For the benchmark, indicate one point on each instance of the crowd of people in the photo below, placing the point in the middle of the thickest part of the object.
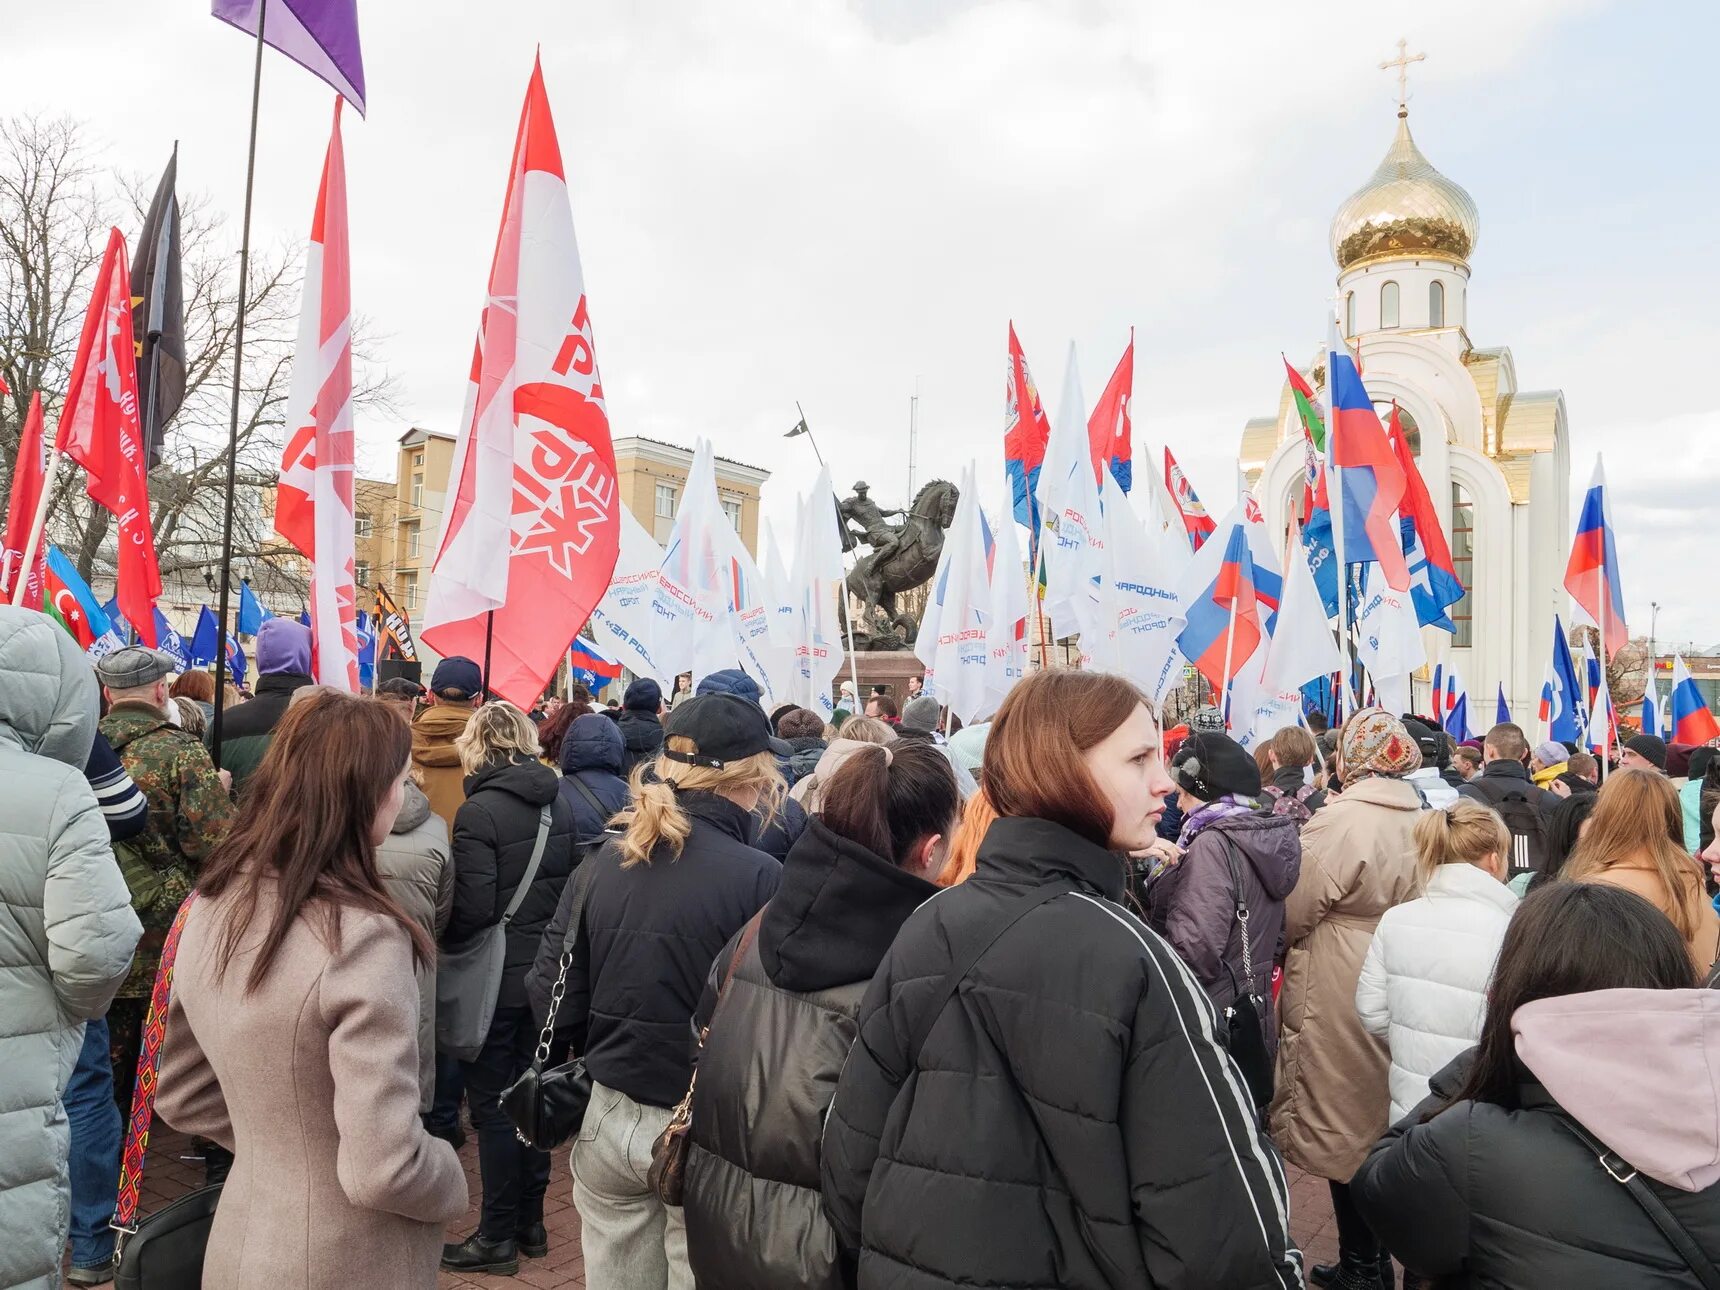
(1047, 1001)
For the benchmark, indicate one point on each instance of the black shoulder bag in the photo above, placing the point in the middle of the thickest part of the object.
(1625, 1174)
(1245, 1016)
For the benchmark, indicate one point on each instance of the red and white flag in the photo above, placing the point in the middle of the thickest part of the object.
(27, 476)
(532, 526)
(314, 500)
(99, 430)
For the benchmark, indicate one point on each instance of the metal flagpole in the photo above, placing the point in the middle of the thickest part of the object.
(1229, 645)
(238, 369)
(489, 640)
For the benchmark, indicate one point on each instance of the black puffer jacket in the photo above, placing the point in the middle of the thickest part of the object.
(641, 737)
(494, 831)
(1072, 1121)
(1483, 1195)
(778, 837)
(591, 754)
(1194, 904)
(650, 934)
(755, 1215)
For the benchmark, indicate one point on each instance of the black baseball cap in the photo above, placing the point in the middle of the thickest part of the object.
(723, 728)
(456, 676)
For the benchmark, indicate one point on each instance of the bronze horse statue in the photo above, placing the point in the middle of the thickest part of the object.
(911, 563)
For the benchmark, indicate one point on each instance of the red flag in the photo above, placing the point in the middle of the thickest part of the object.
(313, 500)
(1196, 522)
(1110, 430)
(535, 409)
(99, 430)
(27, 476)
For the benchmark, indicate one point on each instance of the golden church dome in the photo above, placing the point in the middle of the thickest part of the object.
(1405, 207)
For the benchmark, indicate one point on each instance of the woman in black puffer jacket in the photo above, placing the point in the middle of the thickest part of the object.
(1593, 1020)
(495, 831)
(782, 1029)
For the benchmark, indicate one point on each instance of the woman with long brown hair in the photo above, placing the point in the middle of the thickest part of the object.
(1635, 839)
(1038, 1095)
(293, 1035)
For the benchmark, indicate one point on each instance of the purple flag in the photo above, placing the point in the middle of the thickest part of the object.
(319, 35)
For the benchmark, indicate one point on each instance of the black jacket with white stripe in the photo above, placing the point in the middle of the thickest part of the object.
(1071, 1120)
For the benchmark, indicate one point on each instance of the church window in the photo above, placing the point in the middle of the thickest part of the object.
(1389, 304)
(1463, 561)
(1349, 313)
(1436, 304)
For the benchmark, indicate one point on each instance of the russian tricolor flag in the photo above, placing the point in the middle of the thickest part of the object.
(590, 664)
(1591, 576)
(1370, 480)
(1230, 596)
(1692, 722)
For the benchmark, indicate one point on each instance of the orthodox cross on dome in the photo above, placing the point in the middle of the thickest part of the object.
(1402, 62)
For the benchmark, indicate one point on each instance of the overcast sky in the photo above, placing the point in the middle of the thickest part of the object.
(840, 201)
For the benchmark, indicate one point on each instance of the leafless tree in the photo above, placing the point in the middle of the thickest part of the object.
(56, 204)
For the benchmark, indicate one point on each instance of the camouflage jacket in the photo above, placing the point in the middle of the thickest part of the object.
(189, 812)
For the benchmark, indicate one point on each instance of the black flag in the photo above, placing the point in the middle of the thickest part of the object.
(158, 313)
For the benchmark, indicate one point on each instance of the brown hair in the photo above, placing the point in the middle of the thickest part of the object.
(1292, 746)
(1637, 815)
(886, 705)
(198, 686)
(977, 817)
(305, 825)
(1462, 833)
(801, 723)
(1033, 755)
(888, 800)
(1506, 741)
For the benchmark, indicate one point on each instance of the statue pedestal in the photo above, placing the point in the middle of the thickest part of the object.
(889, 668)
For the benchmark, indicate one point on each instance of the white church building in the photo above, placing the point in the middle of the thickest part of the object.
(1496, 457)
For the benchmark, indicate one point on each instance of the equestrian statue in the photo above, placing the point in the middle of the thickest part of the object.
(903, 556)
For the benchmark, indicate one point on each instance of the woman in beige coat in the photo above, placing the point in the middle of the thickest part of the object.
(1358, 860)
(293, 1035)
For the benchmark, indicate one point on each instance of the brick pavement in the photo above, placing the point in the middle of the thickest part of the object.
(170, 1174)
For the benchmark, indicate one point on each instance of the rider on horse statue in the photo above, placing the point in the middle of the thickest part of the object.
(862, 511)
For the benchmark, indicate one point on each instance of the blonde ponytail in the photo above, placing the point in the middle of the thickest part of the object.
(655, 816)
(1462, 833)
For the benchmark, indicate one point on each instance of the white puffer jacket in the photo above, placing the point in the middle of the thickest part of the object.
(1424, 982)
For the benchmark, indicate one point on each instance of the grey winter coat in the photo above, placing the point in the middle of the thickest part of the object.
(66, 929)
(418, 871)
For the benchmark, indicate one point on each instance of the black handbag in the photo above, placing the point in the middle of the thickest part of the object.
(546, 1107)
(1245, 1016)
(165, 1250)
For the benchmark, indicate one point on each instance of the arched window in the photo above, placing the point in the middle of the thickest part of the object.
(1463, 563)
(1349, 313)
(1389, 304)
(1436, 304)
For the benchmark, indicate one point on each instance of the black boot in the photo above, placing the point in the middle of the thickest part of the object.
(1388, 1278)
(1323, 1274)
(533, 1241)
(475, 1254)
(1351, 1273)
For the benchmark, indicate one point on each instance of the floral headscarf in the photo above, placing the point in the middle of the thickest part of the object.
(1375, 743)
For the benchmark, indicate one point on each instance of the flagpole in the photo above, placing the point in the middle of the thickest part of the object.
(238, 369)
(34, 543)
(1037, 601)
(1229, 646)
(489, 640)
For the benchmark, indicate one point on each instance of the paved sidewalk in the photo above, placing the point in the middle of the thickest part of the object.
(170, 1175)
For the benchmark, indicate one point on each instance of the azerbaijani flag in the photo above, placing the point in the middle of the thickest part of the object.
(70, 602)
(1229, 597)
(1592, 575)
(1371, 482)
(1692, 722)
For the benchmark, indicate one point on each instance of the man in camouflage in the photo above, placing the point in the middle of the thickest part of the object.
(190, 810)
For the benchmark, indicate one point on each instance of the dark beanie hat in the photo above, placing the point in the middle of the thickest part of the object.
(1651, 748)
(1212, 765)
(644, 695)
(1431, 742)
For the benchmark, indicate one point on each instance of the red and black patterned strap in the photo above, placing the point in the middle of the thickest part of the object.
(143, 1092)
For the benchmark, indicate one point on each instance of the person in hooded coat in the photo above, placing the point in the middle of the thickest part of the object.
(1358, 860)
(495, 832)
(780, 1031)
(803, 731)
(854, 734)
(1195, 900)
(417, 870)
(456, 686)
(1594, 1027)
(66, 929)
(592, 754)
(283, 656)
(639, 723)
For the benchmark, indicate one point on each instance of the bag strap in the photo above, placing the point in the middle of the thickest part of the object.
(591, 798)
(538, 846)
(748, 933)
(1241, 913)
(582, 877)
(958, 973)
(143, 1092)
(1625, 1174)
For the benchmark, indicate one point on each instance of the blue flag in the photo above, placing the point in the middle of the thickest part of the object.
(251, 613)
(366, 651)
(1502, 715)
(206, 639)
(171, 642)
(305, 617)
(117, 622)
(1568, 720)
(235, 660)
(1322, 557)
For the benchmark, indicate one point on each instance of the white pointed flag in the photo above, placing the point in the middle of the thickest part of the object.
(819, 577)
(1388, 639)
(1006, 626)
(1302, 649)
(1069, 498)
(956, 651)
(692, 631)
(623, 619)
(785, 619)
